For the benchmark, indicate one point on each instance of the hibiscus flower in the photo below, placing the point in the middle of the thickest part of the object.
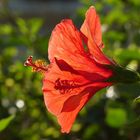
(75, 73)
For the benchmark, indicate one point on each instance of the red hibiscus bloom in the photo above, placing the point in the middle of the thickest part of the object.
(75, 74)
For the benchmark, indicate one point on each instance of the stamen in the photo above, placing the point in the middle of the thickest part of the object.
(65, 85)
(37, 66)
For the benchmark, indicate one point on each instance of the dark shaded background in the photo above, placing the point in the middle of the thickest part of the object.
(25, 28)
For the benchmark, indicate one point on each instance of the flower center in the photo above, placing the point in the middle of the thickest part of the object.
(65, 85)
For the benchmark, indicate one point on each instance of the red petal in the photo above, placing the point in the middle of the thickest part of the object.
(99, 72)
(74, 104)
(67, 105)
(54, 98)
(66, 44)
(70, 110)
(93, 22)
(91, 29)
(72, 84)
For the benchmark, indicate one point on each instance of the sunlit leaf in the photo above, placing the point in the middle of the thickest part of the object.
(35, 25)
(90, 131)
(5, 122)
(6, 29)
(22, 25)
(137, 100)
(131, 53)
(116, 117)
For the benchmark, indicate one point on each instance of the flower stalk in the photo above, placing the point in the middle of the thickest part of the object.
(123, 75)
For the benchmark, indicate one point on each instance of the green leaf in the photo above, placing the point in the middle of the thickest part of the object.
(116, 117)
(91, 131)
(5, 122)
(35, 25)
(6, 29)
(134, 124)
(22, 25)
(130, 53)
(124, 75)
(137, 100)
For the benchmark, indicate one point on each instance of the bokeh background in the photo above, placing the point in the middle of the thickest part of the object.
(25, 28)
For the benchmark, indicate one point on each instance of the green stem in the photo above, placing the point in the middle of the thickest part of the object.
(123, 75)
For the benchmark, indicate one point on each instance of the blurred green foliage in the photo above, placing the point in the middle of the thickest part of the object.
(5, 122)
(110, 115)
(137, 100)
